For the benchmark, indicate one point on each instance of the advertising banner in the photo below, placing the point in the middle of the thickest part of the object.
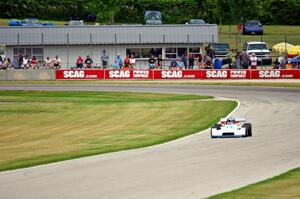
(275, 74)
(176, 74)
(79, 74)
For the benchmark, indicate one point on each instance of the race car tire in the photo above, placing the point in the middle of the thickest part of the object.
(248, 128)
(216, 126)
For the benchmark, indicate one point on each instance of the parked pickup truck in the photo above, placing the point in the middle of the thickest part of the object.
(261, 51)
(221, 51)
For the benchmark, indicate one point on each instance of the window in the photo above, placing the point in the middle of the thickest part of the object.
(133, 51)
(144, 52)
(171, 53)
(181, 51)
(195, 52)
(38, 52)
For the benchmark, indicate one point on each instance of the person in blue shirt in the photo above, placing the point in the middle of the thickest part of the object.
(118, 62)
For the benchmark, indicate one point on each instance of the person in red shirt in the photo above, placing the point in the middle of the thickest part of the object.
(126, 63)
(79, 62)
(34, 62)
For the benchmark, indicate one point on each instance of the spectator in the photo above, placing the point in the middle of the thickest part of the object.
(56, 62)
(88, 62)
(1, 60)
(238, 60)
(184, 61)
(132, 62)
(173, 64)
(208, 62)
(48, 63)
(20, 60)
(7, 63)
(244, 61)
(151, 62)
(104, 60)
(276, 64)
(200, 62)
(229, 58)
(211, 54)
(159, 62)
(282, 62)
(25, 62)
(253, 61)
(191, 61)
(79, 62)
(126, 65)
(34, 62)
(118, 62)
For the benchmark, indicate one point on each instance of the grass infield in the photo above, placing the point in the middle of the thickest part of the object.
(39, 127)
(283, 186)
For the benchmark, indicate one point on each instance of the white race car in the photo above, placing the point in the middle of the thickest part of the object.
(231, 127)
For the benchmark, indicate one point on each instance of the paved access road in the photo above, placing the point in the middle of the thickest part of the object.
(193, 167)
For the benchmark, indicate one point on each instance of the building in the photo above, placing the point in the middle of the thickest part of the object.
(68, 42)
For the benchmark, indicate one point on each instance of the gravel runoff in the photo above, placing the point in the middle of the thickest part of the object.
(195, 166)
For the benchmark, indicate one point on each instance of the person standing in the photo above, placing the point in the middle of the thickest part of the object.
(104, 60)
(118, 62)
(238, 60)
(159, 62)
(253, 61)
(244, 61)
(184, 61)
(191, 61)
(132, 62)
(229, 58)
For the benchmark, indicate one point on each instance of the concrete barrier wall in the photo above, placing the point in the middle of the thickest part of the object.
(27, 75)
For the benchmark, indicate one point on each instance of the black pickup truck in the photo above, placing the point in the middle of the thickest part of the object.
(221, 51)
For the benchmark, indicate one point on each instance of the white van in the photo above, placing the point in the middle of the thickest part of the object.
(260, 49)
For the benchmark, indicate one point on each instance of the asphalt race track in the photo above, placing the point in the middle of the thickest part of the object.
(192, 167)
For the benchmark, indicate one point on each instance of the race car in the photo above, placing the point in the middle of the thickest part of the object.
(231, 127)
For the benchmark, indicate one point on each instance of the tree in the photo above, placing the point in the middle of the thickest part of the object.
(105, 10)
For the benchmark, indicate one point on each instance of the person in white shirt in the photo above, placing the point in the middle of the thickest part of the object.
(56, 62)
(132, 62)
(253, 61)
(25, 62)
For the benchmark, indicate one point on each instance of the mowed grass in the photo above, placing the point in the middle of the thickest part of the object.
(39, 127)
(285, 186)
(273, 34)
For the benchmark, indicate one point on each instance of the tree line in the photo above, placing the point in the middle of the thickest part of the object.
(173, 11)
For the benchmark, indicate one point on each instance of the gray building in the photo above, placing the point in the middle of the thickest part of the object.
(171, 41)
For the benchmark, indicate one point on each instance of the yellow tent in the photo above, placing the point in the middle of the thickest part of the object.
(282, 47)
(295, 50)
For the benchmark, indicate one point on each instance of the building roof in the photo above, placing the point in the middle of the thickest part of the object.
(115, 34)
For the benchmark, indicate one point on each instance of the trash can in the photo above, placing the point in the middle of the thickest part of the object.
(218, 64)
